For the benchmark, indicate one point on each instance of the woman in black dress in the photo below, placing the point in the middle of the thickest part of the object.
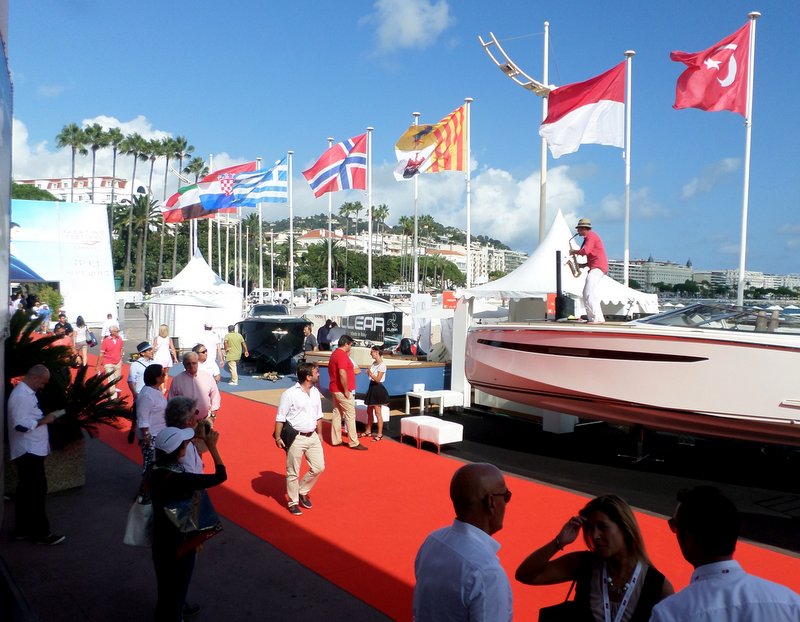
(377, 396)
(170, 483)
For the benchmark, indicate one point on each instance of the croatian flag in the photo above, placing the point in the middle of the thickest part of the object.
(342, 167)
(217, 194)
(271, 186)
(586, 112)
(216, 189)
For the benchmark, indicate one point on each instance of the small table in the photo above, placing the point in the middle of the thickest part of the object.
(422, 396)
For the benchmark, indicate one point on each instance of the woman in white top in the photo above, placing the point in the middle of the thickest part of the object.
(163, 350)
(79, 335)
(377, 395)
(150, 407)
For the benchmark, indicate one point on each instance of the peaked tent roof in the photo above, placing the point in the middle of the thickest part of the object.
(536, 277)
(197, 277)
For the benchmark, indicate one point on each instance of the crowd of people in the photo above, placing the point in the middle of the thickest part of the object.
(458, 573)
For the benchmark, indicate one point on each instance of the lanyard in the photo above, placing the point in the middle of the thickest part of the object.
(623, 605)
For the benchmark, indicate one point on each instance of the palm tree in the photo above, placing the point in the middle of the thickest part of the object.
(73, 137)
(197, 167)
(379, 215)
(182, 150)
(154, 150)
(145, 214)
(133, 145)
(170, 149)
(406, 230)
(96, 138)
(115, 138)
(347, 210)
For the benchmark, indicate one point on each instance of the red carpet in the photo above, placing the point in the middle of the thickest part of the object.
(372, 511)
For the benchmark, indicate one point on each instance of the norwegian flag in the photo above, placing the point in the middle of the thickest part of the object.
(342, 167)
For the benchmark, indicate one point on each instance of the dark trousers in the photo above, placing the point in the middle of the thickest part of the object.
(172, 577)
(29, 513)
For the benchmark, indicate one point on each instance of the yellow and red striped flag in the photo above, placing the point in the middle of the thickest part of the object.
(433, 148)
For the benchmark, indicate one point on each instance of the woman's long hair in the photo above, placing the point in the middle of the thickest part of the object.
(621, 515)
(79, 322)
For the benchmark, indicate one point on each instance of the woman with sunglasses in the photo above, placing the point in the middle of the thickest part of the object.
(615, 580)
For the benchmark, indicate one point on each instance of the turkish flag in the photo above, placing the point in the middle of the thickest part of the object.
(716, 78)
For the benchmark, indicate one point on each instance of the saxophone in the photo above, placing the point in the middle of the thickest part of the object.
(572, 262)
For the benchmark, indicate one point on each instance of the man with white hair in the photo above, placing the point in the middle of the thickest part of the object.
(199, 385)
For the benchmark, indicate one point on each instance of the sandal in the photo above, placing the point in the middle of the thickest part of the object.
(377, 437)
(363, 434)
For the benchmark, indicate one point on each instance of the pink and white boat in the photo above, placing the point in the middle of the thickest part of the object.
(705, 369)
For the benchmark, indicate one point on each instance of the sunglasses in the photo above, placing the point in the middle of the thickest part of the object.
(506, 495)
(202, 351)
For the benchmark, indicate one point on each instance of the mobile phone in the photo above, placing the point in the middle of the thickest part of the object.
(59, 413)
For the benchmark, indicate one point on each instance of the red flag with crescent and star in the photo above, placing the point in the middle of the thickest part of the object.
(716, 78)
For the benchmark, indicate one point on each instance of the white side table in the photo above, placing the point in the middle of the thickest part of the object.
(422, 396)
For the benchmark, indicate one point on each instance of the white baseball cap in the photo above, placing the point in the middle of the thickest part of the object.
(169, 439)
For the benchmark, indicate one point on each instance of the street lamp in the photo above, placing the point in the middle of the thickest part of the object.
(542, 89)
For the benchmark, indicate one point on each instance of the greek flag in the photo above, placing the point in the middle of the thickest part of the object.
(271, 186)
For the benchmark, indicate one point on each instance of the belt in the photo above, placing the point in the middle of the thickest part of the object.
(306, 433)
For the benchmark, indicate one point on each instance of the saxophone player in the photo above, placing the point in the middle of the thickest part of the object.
(597, 262)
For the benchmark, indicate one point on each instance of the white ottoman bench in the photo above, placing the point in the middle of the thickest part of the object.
(361, 414)
(409, 426)
(439, 432)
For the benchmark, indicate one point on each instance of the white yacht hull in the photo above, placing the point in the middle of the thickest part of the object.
(697, 382)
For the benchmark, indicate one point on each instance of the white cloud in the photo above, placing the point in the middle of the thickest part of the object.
(51, 90)
(408, 23)
(710, 177)
(612, 206)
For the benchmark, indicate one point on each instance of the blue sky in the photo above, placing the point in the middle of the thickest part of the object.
(243, 80)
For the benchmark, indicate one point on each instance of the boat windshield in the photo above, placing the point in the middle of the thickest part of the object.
(727, 317)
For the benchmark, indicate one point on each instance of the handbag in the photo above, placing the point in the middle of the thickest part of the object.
(139, 528)
(91, 340)
(568, 611)
(196, 518)
(288, 434)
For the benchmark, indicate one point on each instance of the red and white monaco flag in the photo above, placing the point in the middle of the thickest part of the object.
(716, 78)
(586, 112)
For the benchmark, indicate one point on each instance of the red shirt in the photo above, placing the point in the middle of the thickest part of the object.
(341, 360)
(594, 251)
(112, 350)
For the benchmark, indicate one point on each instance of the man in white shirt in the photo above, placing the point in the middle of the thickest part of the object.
(706, 524)
(106, 330)
(301, 409)
(136, 370)
(211, 341)
(206, 363)
(459, 577)
(29, 442)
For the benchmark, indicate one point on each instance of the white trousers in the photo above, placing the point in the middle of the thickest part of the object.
(591, 297)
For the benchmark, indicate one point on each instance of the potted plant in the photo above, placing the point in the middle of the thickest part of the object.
(83, 395)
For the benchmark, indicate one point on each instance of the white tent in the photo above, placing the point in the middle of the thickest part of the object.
(195, 296)
(536, 278)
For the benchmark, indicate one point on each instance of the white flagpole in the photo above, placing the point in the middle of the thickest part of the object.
(468, 182)
(369, 210)
(748, 124)
(330, 232)
(543, 169)
(260, 245)
(416, 218)
(629, 54)
(291, 231)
